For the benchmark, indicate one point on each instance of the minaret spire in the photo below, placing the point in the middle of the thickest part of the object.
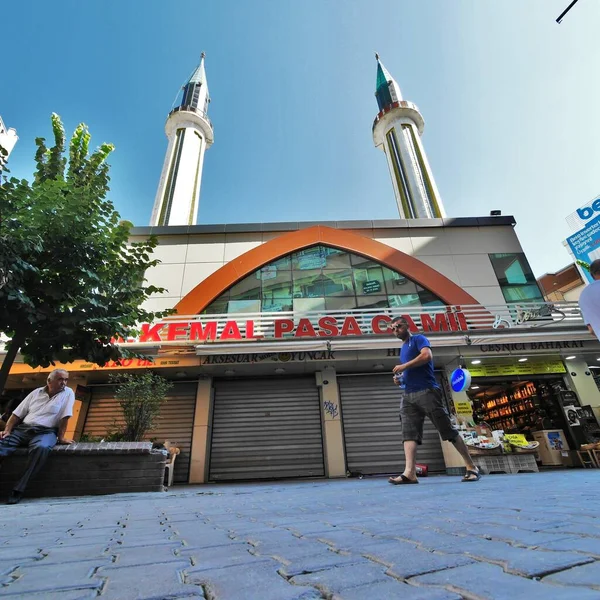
(190, 133)
(397, 131)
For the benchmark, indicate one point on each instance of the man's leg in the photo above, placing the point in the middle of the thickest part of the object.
(460, 445)
(9, 444)
(412, 432)
(39, 449)
(439, 417)
(410, 455)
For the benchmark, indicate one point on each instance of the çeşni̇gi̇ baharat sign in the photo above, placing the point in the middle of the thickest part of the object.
(528, 368)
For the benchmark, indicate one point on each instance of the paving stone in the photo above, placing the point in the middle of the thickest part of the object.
(319, 562)
(290, 552)
(204, 538)
(158, 582)
(588, 575)
(131, 557)
(520, 561)
(260, 583)
(519, 536)
(586, 529)
(405, 561)
(587, 546)
(218, 558)
(334, 580)
(53, 578)
(387, 590)
(489, 581)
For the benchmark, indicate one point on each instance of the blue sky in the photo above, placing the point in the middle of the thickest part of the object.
(510, 101)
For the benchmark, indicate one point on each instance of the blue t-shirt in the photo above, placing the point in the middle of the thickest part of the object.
(421, 377)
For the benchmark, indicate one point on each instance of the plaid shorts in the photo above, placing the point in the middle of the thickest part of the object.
(415, 406)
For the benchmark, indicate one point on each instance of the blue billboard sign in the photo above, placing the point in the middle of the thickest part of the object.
(585, 244)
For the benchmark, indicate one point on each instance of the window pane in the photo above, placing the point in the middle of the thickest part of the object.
(404, 300)
(362, 262)
(336, 259)
(283, 264)
(338, 283)
(243, 306)
(522, 293)
(217, 307)
(246, 289)
(340, 303)
(308, 284)
(305, 304)
(512, 269)
(396, 283)
(369, 280)
(277, 285)
(372, 301)
(277, 304)
(310, 258)
(428, 299)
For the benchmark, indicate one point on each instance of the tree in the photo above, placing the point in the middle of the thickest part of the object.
(141, 397)
(70, 282)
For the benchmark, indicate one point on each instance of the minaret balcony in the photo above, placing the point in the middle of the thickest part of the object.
(410, 109)
(192, 109)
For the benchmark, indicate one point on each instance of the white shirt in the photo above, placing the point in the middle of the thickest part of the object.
(39, 409)
(589, 303)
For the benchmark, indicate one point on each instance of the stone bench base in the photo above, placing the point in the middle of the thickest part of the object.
(88, 469)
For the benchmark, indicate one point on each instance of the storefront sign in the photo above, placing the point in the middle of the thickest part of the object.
(531, 346)
(463, 408)
(585, 243)
(527, 368)
(460, 380)
(453, 319)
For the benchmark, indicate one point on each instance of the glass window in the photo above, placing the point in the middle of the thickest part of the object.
(516, 278)
(395, 283)
(348, 303)
(404, 300)
(305, 304)
(522, 293)
(243, 306)
(512, 269)
(372, 302)
(320, 278)
(218, 307)
(246, 289)
(338, 283)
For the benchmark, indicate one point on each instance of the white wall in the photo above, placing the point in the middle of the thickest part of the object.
(460, 253)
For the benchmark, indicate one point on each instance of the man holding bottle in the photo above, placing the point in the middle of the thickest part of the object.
(422, 398)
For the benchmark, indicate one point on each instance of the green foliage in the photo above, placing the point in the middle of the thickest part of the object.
(583, 264)
(141, 397)
(70, 283)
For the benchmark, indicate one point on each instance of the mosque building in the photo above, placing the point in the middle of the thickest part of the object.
(280, 349)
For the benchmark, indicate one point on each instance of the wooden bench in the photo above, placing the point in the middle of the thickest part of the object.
(84, 469)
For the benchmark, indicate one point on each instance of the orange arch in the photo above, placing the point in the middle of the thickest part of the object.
(217, 283)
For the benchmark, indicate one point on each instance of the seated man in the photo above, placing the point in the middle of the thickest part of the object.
(38, 423)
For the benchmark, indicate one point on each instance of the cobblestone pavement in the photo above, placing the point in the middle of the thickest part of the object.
(507, 536)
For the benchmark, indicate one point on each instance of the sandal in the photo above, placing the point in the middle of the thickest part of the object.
(469, 474)
(404, 480)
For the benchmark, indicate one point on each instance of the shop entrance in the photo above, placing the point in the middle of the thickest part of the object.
(539, 406)
(372, 430)
(266, 429)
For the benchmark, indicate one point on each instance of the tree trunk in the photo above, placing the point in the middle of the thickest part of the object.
(13, 348)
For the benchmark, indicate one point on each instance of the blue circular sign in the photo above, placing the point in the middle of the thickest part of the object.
(460, 380)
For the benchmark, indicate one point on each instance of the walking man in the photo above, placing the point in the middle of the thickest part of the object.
(589, 301)
(422, 398)
(38, 423)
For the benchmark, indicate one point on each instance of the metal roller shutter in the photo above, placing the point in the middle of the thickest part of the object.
(176, 420)
(265, 429)
(372, 433)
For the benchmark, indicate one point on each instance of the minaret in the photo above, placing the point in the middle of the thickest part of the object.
(397, 131)
(190, 133)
